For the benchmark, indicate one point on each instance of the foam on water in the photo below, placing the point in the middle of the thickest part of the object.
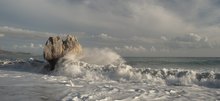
(121, 72)
(126, 73)
(98, 56)
(107, 78)
(111, 67)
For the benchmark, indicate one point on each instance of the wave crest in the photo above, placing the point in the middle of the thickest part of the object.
(106, 65)
(125, 73)
(100, 56)
(118, 71)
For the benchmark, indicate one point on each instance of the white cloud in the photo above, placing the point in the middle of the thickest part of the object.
(164, 38)
(104, 36)
(189, 41)
(130, 49)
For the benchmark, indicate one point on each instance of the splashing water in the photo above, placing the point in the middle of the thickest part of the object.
(104, 64)
(107, 78)
(97, 56)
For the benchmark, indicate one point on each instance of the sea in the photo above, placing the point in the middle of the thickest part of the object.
(106, 76)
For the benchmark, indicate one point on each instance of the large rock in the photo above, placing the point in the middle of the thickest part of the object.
(55, 48)
(71, 45)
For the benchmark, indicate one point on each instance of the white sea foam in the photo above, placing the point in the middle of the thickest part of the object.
(99, 56)
(121, 72)
(83, 79)
(126, 73)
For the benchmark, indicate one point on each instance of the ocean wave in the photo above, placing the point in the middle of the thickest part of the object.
(125, 73)
(31, 65)
(120, 72)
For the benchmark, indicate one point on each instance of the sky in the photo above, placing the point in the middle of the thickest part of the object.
(140, 28)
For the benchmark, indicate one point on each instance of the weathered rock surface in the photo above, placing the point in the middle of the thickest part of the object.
(55, 48)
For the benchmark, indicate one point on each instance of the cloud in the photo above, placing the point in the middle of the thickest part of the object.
(2, 35)
(200, 13)
(165, 50)
(131, 49)
(18, 32)
(29, 48)
(191, 38)
(142, 39)
(189, 41)
(153, 49)
(31, 41)
(125, 24)
(116, 17)
(163, 38)
(104, 36)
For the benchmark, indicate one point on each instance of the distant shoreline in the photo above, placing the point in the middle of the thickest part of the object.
(165, 57)
(10, 52)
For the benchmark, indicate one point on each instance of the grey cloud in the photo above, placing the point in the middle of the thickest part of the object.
(131, 50)
(143, 39)
(18, 32)
(116, 23)
(114, 7)
(189, 41)
(95, 16)
(191, 37)
(153, 49)
(112, 16)
(17, 39)
(163, 38)
(104, 36)
(76, 1)
(199, 13)
(2, 35)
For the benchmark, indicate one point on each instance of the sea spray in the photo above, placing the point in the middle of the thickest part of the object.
(75, 79)
(99, 56)
(75, 68)
(80, 66)
(72, 68)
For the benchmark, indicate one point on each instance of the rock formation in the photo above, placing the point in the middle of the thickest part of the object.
(55, 48)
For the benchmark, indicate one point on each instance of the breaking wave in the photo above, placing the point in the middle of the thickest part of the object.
(98, 56)
(107, 66)
(126, 73)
